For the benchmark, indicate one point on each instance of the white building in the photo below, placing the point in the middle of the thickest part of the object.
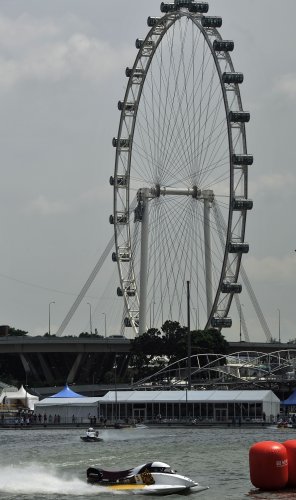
(212, 406)
(179, 405)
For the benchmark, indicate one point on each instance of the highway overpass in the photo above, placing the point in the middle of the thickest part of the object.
(53, 360)
(49, 361)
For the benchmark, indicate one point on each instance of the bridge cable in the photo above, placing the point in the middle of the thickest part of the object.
(86, 286)
(91, 278)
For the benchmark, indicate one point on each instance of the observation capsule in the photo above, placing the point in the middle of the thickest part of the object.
(114, 257)
(221, 322)
(239, 116)
(223, 45)
(119, 180)
(124, 256)
(232, 77)
(198, 7)
(231, 287)
(179, 4)
(121, 143)
(121, 218)
(128, 106)
(242, 204)
(127, 323)
(211, 22)
(136, 73)
(119, 292)
(167, 7)
(140, 42)
(238, 247)
(242, 159)
(152, 21)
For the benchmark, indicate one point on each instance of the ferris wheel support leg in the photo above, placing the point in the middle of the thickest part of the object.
(144, 268)
(208, 254)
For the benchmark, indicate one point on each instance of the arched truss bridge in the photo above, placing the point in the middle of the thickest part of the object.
(240, 370)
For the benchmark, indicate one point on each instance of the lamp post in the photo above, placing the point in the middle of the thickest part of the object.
(104, 314)
(115, 387)
(188, 338)
(90, 322)
(279, 311)
(240, 322)
(52, 302)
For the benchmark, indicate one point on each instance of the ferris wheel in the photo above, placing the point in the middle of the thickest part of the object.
(181, 173)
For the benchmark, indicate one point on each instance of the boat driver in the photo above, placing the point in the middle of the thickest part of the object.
(90, 432)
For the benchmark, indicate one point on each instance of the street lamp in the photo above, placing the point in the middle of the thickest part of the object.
(52, 302)
(240, 322)
(279, 311)
(90, 323)
(115, 386)
(188, 338)
(104, 314)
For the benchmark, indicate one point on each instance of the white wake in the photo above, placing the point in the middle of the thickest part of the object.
(33, 478)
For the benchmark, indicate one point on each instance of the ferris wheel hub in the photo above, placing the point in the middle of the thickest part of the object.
(157, 190)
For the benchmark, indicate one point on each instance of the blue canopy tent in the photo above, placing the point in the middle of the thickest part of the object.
(291, 400)
(67, 393)
(70, 406)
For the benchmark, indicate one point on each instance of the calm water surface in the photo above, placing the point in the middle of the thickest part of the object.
(51, 464)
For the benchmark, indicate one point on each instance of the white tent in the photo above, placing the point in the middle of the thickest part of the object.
(223, 404)
(19, 397)
(69, 409)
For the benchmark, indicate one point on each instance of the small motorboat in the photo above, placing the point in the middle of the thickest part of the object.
(91, 436)
(91, 439)
(151, 478)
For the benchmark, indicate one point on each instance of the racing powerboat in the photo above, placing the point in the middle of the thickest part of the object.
(91, 439)
(91, 436)
(150, 478)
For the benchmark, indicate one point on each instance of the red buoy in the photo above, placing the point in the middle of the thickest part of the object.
(290, 446)
(268, 465)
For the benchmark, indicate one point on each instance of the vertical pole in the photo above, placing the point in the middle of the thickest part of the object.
(188, 338)
(90, 321)
(144, 266)
(279, 311)
(52, 302)
(240, 322)
(105, 323)
(208, 254)
(115, 387)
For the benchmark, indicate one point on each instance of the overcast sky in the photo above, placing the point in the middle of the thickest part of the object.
(62, 68)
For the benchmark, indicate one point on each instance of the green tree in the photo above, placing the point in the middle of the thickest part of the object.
(15, 332)
(154, 348)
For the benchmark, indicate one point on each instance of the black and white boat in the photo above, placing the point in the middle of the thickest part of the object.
(91, 436)
(151, 478)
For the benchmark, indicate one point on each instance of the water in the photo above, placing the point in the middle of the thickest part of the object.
(50, 464)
